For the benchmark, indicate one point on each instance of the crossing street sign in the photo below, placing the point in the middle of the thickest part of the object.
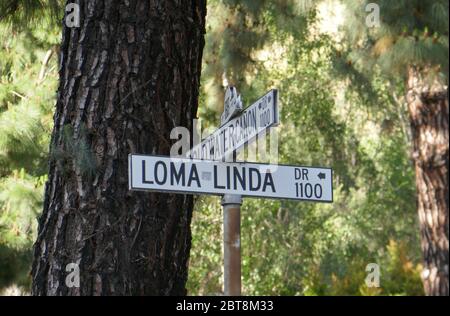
(193, 176)
(238, 131)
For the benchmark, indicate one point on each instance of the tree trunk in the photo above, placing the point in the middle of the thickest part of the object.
(429, 115)
(128, 75)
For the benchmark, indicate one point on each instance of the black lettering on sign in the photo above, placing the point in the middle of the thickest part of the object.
(301, 174)
(253, 118)
(193, 176)
(177, 176)
(239, 177)
(216, 184)
(164, 169)
(252, 185)
(232, 139)
(268, 181)
(305, 174)
(298, 174)
(318, 191)
(144, 180)
(306, 190)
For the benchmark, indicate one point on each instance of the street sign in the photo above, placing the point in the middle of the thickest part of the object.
(193, 176)
(202, 172)
(238, 131)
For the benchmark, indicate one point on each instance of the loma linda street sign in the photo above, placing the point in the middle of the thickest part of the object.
(240, 130)
(203, 172)
(184, 175)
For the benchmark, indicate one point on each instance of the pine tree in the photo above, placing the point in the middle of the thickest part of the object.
(236, 30)
(27, 84)
(129, 74)
(411, 42)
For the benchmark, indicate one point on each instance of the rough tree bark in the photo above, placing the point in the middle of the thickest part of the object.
(429, 116)
(128, 75)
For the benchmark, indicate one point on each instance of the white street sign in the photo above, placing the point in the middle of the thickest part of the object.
(238, 131)
(184, 175)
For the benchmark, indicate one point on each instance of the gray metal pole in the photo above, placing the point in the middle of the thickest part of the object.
(232, 244)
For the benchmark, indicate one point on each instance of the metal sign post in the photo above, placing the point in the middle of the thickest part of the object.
(232, 244)
(231, 208)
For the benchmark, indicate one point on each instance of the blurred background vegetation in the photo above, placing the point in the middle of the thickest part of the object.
(338, 109)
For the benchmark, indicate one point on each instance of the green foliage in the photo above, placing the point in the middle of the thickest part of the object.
(14, 266)
(205, 269)
(21, 14)
(26, 108)
(21, 199)
(398, 276)
(235, 31)
(411, 33)
(401, 272)
(20, 203)
(291, 248)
